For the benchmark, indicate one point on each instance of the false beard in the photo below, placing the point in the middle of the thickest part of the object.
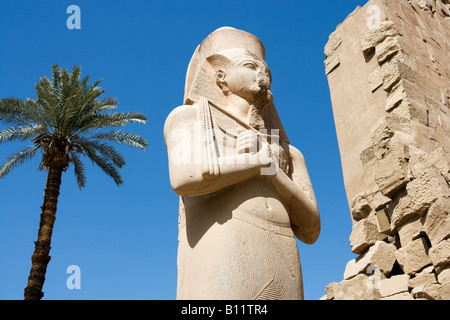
(262, 99)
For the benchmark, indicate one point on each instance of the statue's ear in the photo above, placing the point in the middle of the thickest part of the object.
(221, 75)
(219, 64)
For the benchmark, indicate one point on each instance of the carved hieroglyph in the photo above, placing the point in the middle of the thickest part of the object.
(245, 191)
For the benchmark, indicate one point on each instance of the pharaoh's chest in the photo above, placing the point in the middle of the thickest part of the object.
(224, 129)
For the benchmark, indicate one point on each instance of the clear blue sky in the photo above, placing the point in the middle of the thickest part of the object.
(124, 239)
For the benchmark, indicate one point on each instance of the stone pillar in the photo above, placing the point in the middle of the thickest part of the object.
(388, 68)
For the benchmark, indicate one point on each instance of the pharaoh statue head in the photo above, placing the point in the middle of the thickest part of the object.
(242, 73)
(232, 62)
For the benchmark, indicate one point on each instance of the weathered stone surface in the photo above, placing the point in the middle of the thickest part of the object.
(375, 79)
(386, 49)
(374, 37)
(404, 142)
(440, 158)
(422, 279)
(409, 231)
(380, 255)
(367, 157)
(444, 291)
(403, 212)
(392, 150)
(384, 129)
(427, 188)
(331, 64)
(358, 288)
(334, 41)
(399, 296)
(402, 163)
(413, 257)
(443, 137)
(444, 275)
(330, 289)
(352, 269)
(402, 32)
(426, 276)
(390, 75)
(395, 98)
(379, 201)
(391, 172)
(396, 71)
(394, 285)
(360, 207)
(427, 291)
(418, 162)
(413, 110)
(425, 136)
(440, 255)
(427, 270)
(364, 235)
(437, 221)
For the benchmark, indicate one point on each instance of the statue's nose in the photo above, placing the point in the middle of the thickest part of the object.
(263, 79)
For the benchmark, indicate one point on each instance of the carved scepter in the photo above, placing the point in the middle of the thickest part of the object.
(210, 161)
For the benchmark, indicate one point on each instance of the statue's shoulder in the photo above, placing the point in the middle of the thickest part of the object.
(295, 153)
(182, 111)
(183, 114)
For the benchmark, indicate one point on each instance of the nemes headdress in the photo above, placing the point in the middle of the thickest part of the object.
(200, 77)
(219, 40)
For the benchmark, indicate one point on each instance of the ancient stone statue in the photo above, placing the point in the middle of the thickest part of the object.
(245, 191)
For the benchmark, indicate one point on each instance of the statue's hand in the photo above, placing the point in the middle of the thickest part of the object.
(247, 142)
(264, 156)
(250, 142)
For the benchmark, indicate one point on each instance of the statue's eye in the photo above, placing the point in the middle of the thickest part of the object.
(250, 65)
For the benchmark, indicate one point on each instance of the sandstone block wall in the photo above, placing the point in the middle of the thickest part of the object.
(388, 67)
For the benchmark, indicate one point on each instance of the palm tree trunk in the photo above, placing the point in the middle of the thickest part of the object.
(40, 257)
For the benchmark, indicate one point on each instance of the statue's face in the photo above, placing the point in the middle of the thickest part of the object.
(250, 79)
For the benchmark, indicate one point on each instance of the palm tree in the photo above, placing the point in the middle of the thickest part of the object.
(65, 123)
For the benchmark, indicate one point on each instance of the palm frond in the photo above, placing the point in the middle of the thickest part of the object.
(20, 133)
(81, 106)
(16, 159)
(41, 166)
(123, 137)
(103, 163)
(47, 100)
(109, 152)
(75, 76)
(108, 103)
(16, 112)
(102, 121)
(78, 169)
(56, 76)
